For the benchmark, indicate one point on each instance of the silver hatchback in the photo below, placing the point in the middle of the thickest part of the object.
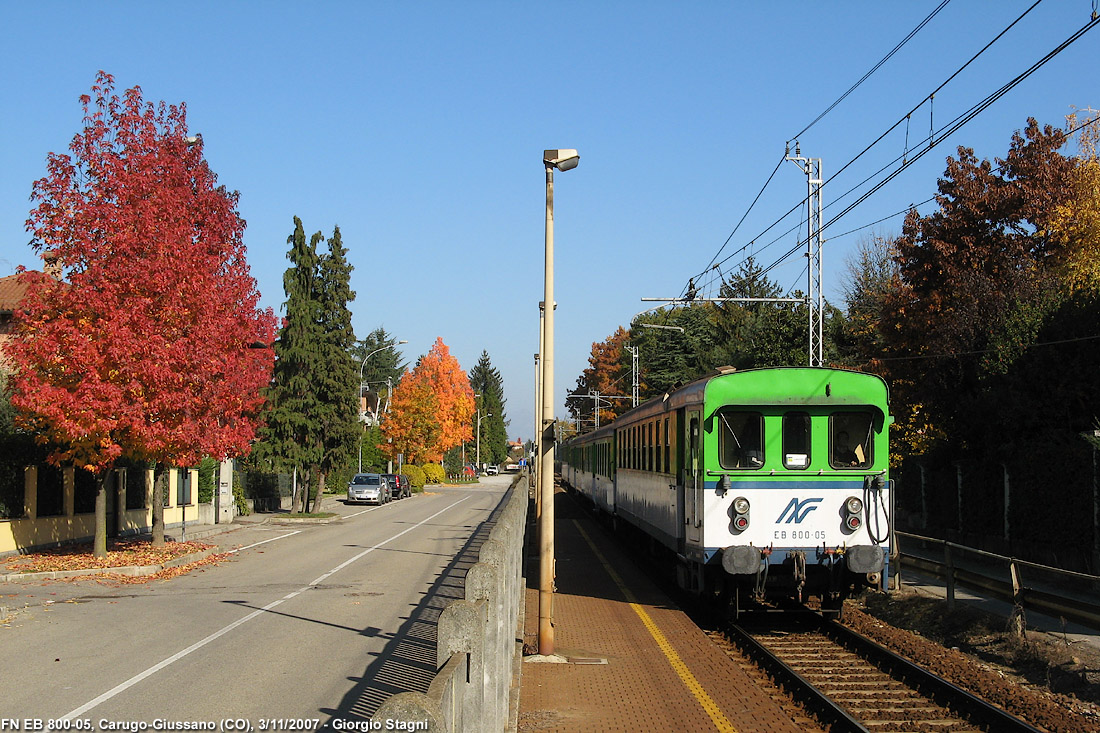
(370, 488)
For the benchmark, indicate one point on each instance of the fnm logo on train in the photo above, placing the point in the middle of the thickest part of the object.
(798, 510)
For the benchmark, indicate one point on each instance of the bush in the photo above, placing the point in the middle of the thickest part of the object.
(416, 476)
(208, 470)
(434, 473)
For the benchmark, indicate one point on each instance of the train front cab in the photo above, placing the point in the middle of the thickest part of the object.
(796, 494)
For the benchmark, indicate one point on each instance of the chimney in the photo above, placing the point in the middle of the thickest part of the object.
(52, 265)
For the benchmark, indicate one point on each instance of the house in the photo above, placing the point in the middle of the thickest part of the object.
(11, 292)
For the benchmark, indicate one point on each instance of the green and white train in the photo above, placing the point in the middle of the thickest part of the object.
(762, 484)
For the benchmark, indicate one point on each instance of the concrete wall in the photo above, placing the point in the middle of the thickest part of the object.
(475, 639)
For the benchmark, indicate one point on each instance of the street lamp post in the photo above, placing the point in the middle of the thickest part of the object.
(563, 160)
(487, 414)
(361, 368)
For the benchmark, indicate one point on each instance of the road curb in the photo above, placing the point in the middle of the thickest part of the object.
(133, 571)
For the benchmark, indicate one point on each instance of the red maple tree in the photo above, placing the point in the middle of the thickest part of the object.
(138, 346)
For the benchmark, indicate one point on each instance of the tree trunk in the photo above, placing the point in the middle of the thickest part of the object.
(99, 541)
(160, 478)
(296, 495)
(320, 489)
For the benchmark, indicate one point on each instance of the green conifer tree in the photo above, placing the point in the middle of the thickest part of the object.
(486, 381)
(289, 439)
(337, 378)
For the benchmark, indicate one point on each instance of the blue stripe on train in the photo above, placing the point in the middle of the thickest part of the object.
(781, 484)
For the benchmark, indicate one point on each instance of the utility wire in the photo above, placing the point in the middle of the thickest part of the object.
(948, 129)
(882, 61)
(888, 131)
(875, 68)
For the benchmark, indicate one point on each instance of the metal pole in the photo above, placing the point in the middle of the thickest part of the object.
(534, 470)
(546, 455)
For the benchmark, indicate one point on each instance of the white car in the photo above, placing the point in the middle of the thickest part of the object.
(492, 469)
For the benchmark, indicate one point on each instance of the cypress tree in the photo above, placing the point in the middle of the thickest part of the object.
(289, 438)
(486, 381)
(336, 380)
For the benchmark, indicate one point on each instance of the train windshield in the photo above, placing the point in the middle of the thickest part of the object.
(796, 440)
(850, 439)
(740, 439)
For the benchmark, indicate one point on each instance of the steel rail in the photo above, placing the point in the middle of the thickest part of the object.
(928, 684)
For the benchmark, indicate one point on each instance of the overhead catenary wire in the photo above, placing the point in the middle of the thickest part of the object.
(904, 118)
(874, 68)
(947, 130)
(908, 37)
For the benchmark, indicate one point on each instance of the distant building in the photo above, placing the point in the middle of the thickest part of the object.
(11, 292)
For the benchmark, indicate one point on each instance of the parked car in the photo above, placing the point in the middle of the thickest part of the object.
(371, 488)
(399, 485)
(492, 469)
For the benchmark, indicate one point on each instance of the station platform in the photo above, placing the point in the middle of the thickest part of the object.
(626, 658)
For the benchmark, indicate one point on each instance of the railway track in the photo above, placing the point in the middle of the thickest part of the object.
(850, 683)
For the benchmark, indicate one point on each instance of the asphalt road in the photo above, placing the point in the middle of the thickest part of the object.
(306, 621)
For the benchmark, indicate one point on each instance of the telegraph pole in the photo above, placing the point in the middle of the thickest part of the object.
(633, 375)
(815, 300)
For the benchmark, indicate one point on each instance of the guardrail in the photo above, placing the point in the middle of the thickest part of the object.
(475, 640)
(1073, 596)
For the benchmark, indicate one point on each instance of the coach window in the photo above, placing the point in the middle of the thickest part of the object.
(796, 440)
(668, 448)
(740, 439)
(851, 440)
(659, 467)
(649, 447)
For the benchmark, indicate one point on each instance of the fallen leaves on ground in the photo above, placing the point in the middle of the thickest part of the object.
(120, 553)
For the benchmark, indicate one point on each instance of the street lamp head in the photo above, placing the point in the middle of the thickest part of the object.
(402, 342)
(563, 160)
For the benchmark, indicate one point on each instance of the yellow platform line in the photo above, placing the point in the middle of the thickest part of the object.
(721, 722)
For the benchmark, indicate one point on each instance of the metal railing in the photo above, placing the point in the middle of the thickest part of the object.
(1027, 585)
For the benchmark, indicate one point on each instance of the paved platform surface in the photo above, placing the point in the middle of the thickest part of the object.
(633, 661)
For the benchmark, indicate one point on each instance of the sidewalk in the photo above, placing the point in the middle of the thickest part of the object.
(626, 658)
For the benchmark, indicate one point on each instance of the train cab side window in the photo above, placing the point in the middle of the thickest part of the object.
(851, 439)
(740, 439)
(796, 440)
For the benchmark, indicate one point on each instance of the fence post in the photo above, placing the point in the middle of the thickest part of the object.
(1017, 618)
(483, 582)
(461, 630)
(950, 563)
(410, 708)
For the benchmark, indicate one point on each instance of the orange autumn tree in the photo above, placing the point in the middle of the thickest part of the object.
(431, 409)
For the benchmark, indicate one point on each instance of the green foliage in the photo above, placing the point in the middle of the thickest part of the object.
(433, 473)
(208, 471)
(486, 381)
(238, 494)
(374, 459)
(452, 460)
(416, 476)
(336, 384)
(289, 438)
(385, 362)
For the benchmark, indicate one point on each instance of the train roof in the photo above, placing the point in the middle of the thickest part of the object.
(790, 386)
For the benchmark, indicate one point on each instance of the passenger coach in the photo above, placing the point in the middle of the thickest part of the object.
(763, 484)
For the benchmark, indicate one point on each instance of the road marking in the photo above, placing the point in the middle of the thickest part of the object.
(226, 629)
(262, 542)
(706, 701)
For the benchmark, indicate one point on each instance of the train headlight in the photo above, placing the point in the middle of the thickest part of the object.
(741, 505)
(853, 505)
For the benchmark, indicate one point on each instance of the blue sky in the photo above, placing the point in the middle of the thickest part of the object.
(418, 128)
